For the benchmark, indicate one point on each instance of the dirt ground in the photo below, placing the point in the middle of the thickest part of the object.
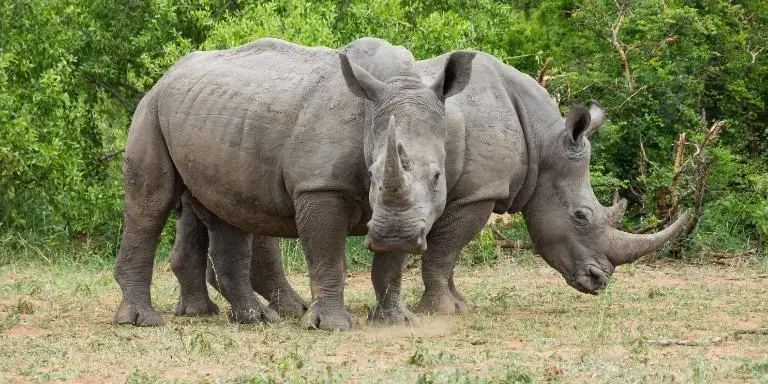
(660, 322)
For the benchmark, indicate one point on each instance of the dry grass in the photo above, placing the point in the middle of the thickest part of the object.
(655, 323)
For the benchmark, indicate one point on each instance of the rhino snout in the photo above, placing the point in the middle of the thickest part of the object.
(411, 241)
(589, 280)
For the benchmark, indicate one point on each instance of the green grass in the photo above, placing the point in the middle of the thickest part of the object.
(661, 322)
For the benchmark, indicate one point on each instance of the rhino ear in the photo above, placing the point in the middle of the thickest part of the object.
(577, 123)
(359, 81)
(455, 75)
(597, 117)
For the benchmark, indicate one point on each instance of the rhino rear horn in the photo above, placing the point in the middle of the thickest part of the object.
(614, 213)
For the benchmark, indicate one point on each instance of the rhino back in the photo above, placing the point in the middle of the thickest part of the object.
(250, 128)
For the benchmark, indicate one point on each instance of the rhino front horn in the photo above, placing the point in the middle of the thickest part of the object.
(394, 176)
(623, 248)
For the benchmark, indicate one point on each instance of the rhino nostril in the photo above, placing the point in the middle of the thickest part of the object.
(599, 275)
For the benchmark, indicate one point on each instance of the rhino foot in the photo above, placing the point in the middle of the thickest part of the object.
(288, 304)
(397, 315)
(446, 303)
(253, 315)
(318, 317)
(202, 307)
(128, 313)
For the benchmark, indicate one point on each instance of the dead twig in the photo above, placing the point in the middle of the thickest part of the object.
(109, 155)
(514, 244)
(670, 199)
(621, 48)
(540, 77)
(664, 342)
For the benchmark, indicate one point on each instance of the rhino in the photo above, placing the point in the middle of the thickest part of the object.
(283, 140)
(510, 150)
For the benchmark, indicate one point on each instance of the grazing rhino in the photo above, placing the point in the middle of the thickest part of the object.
(509, 150)
(268, 138)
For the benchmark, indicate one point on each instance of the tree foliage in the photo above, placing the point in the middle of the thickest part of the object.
(72, 72)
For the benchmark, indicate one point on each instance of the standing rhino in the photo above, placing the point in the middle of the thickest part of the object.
(509, 150)
(268, 138)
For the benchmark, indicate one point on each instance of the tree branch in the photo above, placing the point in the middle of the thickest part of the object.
(114, 93)
(622, 48)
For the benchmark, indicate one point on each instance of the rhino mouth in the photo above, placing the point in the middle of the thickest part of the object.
(407, 236)
(590, 279)
(415, 244)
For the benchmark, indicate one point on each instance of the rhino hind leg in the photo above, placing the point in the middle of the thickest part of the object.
(188, 263)
(455, 228)
(322, 221)
(268, 278)
(151, 189)
(387, 275)
(230, 255)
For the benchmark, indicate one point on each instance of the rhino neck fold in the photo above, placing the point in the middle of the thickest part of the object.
(532, 149)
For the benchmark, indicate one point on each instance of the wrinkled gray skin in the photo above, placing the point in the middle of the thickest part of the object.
(268, 139)
(509, 150)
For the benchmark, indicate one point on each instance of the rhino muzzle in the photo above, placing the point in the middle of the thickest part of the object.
(414, 242)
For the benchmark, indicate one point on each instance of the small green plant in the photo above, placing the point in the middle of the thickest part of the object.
(656, 292)
(423, 357)
(638, 349)
(481, 250)
(758, 370)
(23, 307)
(140, 377)
(201, 342)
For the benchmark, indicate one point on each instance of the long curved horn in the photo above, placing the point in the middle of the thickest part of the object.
(394, 179)
(614, 213)
(622, 247)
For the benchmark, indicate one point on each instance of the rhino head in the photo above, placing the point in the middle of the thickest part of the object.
(570, 229)
(405, 150)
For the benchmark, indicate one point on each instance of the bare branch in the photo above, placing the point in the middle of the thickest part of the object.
(622, 48)
(632, 95)
(109, 155)
(540, 77)
(109, 89)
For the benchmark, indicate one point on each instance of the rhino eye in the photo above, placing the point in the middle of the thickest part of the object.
(581, 217)
(435, 180)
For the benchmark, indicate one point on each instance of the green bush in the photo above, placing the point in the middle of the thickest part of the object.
(72, 72)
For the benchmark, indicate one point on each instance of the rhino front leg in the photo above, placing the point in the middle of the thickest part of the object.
(188, 262)
(453, 230)
(387, 276)
(268, 278)
(230, 258)
(322, 220)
